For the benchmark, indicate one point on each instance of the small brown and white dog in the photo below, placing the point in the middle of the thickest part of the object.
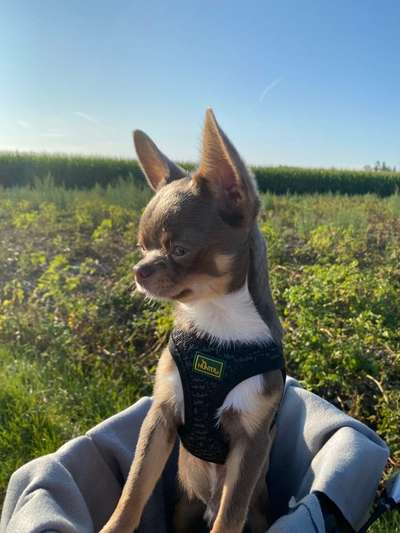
(203, 250)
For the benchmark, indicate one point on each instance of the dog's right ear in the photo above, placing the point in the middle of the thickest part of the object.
(157, 168)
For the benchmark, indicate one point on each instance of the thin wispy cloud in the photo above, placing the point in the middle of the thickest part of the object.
(24, 124)
(86, 117)
(269, 88)
(53, 134)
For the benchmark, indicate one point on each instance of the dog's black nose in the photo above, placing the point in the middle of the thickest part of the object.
(143, 271)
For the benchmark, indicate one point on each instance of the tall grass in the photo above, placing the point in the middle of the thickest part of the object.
(282, 180)
(124, 192)
(18, 169)
(22, 168)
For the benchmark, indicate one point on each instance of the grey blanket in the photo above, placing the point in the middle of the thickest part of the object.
(317, 448)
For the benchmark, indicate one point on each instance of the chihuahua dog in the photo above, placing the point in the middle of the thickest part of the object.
(220, 381)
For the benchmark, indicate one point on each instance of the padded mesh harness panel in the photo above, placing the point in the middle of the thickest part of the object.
(208, 373)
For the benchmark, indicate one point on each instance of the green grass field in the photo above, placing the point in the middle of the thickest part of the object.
(77, 344)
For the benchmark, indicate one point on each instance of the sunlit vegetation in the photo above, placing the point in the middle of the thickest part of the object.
(77, 344)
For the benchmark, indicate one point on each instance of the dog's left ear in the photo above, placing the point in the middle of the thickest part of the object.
(225, 173)
(157, 168)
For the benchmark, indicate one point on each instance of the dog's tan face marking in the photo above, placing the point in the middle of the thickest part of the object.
(191, 251)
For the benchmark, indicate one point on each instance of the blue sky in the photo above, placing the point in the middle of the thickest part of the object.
(292, 82)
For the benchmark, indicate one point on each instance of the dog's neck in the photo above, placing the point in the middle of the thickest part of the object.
(231, 317)
(247, 314)
(259, 287)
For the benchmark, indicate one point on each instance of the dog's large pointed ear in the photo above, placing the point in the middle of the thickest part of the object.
(157, 168)
(224, 171)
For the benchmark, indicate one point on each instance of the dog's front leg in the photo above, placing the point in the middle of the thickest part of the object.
(246, 460)
(156, 440)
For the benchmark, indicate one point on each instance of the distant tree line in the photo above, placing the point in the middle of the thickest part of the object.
(380, 166)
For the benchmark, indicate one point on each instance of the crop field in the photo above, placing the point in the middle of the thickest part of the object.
(77, 344)
(23, 168)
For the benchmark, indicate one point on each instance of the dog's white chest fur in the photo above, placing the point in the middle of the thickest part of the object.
(232, 317)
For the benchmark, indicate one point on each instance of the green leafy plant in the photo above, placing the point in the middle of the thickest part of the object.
(78, 344)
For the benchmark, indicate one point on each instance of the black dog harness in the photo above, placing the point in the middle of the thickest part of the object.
(209, 371)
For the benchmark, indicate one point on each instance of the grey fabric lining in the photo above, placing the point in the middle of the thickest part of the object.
(317, 447)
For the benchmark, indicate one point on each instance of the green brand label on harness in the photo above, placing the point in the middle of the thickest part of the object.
(205, 365)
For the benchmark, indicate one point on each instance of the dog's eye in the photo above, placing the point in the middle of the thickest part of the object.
(178, 251)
